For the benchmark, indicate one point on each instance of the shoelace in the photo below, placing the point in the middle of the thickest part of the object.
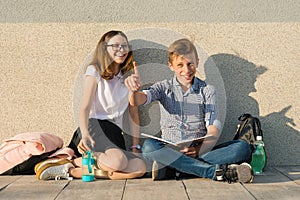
(230, 175)
(58, 177)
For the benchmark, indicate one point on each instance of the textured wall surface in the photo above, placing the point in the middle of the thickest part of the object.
(249, 51)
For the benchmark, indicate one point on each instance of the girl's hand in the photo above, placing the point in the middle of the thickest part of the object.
(86, 144)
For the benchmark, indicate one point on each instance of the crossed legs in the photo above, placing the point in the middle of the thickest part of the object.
(116, 163)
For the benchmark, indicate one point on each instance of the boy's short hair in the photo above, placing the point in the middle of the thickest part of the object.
(181, 47)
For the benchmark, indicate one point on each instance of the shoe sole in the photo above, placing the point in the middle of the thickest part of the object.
(154, 171)
(99, 173)
(40, 167)
(244, 172)
(49, 160)
(161, 172)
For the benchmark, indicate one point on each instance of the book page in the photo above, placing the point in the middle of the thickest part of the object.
(183, 143)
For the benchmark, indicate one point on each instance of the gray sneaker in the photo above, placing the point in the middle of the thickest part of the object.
(162, 172)
(235, 173)
(57, 172)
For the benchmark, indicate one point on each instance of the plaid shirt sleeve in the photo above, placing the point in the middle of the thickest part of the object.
(211, 107)
(154, 92)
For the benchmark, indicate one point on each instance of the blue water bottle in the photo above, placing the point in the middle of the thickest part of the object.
(88, 162)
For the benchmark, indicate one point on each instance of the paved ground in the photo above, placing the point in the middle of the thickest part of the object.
(275, 183)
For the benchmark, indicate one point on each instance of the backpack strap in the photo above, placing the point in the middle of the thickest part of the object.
(257, 126)
(244, 120)
(244, 116)
(247, 120)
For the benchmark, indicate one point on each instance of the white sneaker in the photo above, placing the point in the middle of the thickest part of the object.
(50, 162)
(57, 172)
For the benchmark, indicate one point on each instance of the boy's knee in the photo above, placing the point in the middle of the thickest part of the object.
(149, 146)
(244, 147)
(244, 144)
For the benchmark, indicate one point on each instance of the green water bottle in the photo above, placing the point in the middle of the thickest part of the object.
(258, 161)
(88, 162)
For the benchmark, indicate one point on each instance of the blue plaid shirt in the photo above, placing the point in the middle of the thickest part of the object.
(184, 115)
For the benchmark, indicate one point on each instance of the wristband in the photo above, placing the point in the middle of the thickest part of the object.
(137, 146)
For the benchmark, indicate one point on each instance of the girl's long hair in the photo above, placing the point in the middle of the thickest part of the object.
(103, 62)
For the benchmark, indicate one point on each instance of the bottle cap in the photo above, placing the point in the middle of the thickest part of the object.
(259, 137)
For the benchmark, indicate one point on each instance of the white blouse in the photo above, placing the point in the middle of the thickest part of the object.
(111, 98)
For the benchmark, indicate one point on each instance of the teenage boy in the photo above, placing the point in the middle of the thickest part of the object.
(188, 108)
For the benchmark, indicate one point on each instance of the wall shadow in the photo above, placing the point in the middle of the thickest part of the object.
(239, 77)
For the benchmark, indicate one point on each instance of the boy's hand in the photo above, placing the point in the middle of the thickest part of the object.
(191, 151)
(133, 82)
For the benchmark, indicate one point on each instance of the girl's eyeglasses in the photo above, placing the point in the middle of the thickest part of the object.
(118, 47)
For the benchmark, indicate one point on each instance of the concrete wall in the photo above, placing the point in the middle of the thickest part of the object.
(249, 51)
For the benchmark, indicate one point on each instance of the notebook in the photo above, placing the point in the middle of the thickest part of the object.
(182, 143)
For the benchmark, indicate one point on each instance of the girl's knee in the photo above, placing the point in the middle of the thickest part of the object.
(113, 159)
(138, 165)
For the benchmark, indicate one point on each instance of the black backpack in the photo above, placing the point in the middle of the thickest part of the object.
(248, 128)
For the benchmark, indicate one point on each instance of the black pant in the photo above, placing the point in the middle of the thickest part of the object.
(105, 134)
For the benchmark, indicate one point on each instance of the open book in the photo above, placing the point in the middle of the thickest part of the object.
(182, 143)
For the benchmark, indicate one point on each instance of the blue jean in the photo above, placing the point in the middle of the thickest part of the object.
(235, 151)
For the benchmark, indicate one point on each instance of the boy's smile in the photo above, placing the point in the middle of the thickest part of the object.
(184, 67)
